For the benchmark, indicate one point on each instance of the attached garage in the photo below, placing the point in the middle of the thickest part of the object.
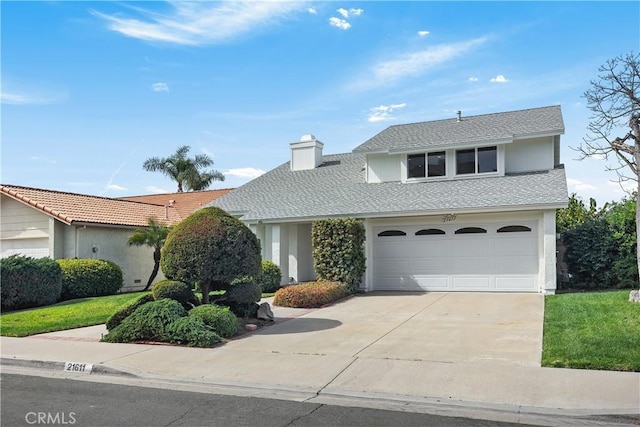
(485, 256)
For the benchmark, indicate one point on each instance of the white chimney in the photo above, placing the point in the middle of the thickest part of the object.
(306, 153)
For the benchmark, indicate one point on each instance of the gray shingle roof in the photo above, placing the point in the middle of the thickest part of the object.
(488, 128)
(337, 188)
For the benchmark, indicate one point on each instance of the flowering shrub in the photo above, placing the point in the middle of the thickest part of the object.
(309, 295)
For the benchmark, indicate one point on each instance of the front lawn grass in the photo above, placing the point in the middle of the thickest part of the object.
(64, 315)
(592, 330)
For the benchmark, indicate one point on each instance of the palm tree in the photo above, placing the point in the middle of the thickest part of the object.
(184, 170)
(154, 236)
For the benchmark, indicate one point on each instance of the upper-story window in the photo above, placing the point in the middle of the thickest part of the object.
(426, 165)
(477, 160)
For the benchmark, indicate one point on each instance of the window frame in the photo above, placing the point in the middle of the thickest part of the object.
(476, 163)
(426, 174)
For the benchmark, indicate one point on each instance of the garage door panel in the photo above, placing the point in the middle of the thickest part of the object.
(517, 265)
(516, 283)
(471, 283)
(471, 247)
(520, 246)
(473, 265)
(433, 283)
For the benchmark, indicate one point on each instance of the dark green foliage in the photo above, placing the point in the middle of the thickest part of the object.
(220, 319)
(310, 295)
(191, 331)
(148, 322)
(270, 278)
(117, 317)
(244, 292)
(89, 278)
(175, 290)
(575, 214)
(29, 282)
(601, 252)
(212, 248)
(338, 250)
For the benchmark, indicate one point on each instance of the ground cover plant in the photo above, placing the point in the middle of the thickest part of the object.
(310, 295)
(592, 330)
(69, 314)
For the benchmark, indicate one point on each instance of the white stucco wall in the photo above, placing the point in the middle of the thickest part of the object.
(383, 168)
(527, 155)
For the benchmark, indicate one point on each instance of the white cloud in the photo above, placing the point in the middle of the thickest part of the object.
(200, 23)
(245, 172)
(473, 79)
(423, 33)
(414, 63)
(343, 12)
(42, 159)
(351, 12)
(577, 186)
(499, 79)
(115, 187)
(339, 23)
(156, 190)
(22, 99)
(160, 87)
(312, 10)
(383, 112)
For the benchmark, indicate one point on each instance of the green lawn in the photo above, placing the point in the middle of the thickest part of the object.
(592, 330)
(64, 315)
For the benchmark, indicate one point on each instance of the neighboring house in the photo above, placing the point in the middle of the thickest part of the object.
(46, 223)
(462, 204)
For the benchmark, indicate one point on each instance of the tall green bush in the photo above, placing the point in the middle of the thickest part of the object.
(338, 250)
(29, 282)
(212, 248)
(270, 278)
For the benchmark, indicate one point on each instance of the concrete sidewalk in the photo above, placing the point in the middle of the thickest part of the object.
(354, 354)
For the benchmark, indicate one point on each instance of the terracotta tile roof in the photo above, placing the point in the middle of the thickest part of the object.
(80, 208)
(184, 203)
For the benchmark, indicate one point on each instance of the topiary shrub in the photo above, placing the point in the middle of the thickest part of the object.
(191, 331)
(126, 311)
(83, 278)
(175, 290)
(220, 319)
(29, 282)
(338, 250)
(212, 248)
(148, 322)
(242, 299)
(270, 278)
(310, 295)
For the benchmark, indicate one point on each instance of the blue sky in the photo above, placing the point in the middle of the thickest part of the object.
(92, 89)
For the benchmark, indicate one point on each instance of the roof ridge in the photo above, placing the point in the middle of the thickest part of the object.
(177, 192)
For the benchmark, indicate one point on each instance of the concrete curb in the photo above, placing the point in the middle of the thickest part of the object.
(59, 366)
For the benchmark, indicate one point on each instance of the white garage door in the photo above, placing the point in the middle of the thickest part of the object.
(447, 257)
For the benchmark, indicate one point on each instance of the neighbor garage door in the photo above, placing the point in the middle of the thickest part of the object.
(447, 257)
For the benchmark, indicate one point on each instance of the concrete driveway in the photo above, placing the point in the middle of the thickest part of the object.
(447, 327)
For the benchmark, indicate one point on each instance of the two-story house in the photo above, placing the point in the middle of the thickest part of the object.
(461, 204)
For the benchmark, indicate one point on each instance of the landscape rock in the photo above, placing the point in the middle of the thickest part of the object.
(250, 327)
(634, 296)
(264, 312)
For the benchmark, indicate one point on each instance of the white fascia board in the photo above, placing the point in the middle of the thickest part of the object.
(539, 134)
(458, 146)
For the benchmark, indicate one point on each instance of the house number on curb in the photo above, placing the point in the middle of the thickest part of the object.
(81, 368)
(449, 218)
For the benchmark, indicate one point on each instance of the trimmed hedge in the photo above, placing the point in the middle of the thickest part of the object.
(338, 250)
(220, 319)
(310, 295)
(270, 278)
(148, 322)
(83, 278)
(175, 290)
(29, 282)
(191, 331)
(126, 311)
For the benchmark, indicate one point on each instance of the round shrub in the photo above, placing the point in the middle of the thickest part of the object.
(192, 332)
(148, 322)
(310, 295)
(126, 311)
(83, 278)
(220, 319)
(175, 290)
(212, 248)
(29, 282)
(270, 278)
(244, 293)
